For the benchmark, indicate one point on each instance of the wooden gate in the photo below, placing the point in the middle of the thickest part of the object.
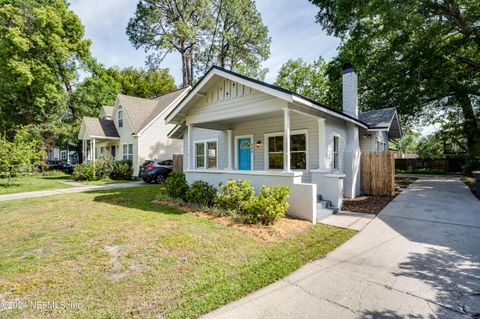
(177, 162)
(378, 173)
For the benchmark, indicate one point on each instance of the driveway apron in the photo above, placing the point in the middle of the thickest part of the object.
(419, 258)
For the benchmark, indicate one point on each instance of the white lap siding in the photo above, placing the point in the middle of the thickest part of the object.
(368, 140)
(258, 128)
(275, 125)
(201, 134)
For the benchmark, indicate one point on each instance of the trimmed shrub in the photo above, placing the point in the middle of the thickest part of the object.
(103, 167)
(121, 170)
(84, 172)
(201, 194)
(268, 206)
(233, 194)
(176, 185)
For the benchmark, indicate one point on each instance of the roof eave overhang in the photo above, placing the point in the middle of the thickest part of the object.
(300, 100)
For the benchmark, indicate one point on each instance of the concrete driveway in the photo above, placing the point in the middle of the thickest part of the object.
(420, 258)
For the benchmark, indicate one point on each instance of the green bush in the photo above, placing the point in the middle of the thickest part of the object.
(121, 170)
(201, 194)
(84, 172)
(103, 168)
(268, 206)
(176, 185)
(233, 194)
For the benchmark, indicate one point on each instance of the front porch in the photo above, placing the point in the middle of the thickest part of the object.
(286, 147)
(94, 148)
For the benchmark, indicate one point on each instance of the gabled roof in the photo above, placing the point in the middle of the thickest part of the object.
(378, 118)
(276, 91)
(100, 128)
(107, 110)
(141, 112)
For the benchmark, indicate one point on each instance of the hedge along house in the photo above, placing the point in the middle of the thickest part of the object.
(234, 127)
(133, 129)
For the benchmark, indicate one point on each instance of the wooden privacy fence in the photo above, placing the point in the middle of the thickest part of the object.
(178, 162)
(454, 164)
(377, 173)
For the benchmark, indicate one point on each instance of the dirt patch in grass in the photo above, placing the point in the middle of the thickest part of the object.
(283, 228)
(370, 204)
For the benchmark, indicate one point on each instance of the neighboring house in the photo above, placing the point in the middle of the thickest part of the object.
(133, 129)
(234, 127)
(60, 154)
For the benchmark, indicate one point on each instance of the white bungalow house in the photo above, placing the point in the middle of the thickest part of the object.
(133, 129)
(235, 127)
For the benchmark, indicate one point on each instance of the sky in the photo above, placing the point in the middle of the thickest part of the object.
(291, 26)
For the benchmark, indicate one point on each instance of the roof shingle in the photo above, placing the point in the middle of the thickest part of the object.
(378, 118)
(100, 127)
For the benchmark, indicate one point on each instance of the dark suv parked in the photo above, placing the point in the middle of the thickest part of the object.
(60, 166)
(155, 171)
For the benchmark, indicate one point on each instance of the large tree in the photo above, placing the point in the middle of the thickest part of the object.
(238, 40)
(308, 79)
(166, 26)
(422, 56)
(228, 33)
(41, 48)
(146, 83)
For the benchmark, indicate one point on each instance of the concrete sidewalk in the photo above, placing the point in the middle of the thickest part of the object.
(419, 258)
(78, 189)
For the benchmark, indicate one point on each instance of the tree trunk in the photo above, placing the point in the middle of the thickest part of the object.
(470, 127)
(185, 67)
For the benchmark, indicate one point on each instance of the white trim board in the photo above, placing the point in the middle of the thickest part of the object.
(296, 132)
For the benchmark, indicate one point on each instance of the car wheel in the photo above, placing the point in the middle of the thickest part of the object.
(160, 178)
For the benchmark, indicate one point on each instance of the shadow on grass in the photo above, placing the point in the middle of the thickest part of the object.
(54, 178)
(134, 197)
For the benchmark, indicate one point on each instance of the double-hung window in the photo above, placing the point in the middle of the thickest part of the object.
(336, 163)
(298, 151)
(63, 155)
(128, 152)
(206, 154)
(120, 116)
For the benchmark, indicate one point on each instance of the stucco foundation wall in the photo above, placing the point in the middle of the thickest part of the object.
(302, 199)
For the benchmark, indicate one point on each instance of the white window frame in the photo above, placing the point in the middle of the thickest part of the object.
(205, 154)
(63, 155)
(296, 132)
(336, 154)
(127, 154)
(237, 137)
(120, 116)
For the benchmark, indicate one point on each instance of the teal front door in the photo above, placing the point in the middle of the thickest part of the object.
(244, 153)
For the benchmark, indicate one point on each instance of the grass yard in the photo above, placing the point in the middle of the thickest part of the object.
(32, 183)
(119, 255)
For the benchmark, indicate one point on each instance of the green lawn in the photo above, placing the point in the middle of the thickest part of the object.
(32, 183)
(104, 181)
(120, 256)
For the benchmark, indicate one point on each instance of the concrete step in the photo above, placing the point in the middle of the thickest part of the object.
(324, 203)
(324, 212)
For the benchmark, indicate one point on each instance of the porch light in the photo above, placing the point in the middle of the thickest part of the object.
(258, 144)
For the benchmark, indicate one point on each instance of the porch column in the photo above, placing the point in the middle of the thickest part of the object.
(286, 140)
(322, 152)
(84, 155)
(189, 145)
(229, 157)
(93, 149)
(68, 155)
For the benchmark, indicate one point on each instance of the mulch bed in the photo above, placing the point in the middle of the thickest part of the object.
(282, 229)
(370, 204)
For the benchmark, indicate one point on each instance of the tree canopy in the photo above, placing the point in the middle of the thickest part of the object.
(229, 33)
(41, 48)
(421, 56)
(309, 80)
